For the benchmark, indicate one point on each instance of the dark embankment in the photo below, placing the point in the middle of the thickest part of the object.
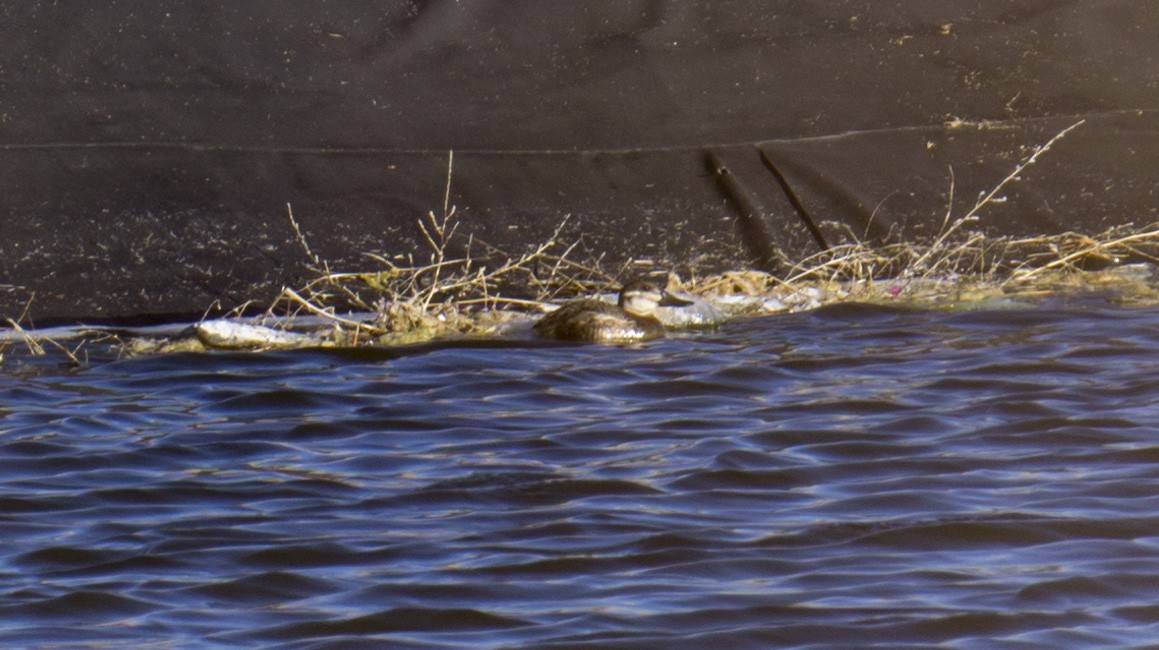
(149, 149)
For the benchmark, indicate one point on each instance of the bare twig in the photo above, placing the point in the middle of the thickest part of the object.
(985, 199)
(34, 344)
(1091, 246)
(318, 263)
(437, 297)
(313, 309)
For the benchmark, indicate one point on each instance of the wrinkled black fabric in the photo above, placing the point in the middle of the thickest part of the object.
(148, 149)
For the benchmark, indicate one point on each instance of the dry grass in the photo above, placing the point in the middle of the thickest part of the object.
(38, 345)
(958, 261)
(444, 295)
(437, 294)
(954, 250)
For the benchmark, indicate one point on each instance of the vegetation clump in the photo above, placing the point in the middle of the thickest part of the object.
(445, 294)
(464, 295)
(480, 290)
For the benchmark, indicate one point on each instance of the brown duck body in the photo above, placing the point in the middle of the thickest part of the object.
(598, 322)
(633, 318)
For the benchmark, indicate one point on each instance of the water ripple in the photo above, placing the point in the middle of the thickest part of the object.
(855, 476)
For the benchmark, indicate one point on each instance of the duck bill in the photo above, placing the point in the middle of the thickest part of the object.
(669, 300)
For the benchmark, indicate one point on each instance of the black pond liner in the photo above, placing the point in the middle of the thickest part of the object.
(149, 149)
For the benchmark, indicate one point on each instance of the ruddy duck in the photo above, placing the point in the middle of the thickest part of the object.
(632, 319)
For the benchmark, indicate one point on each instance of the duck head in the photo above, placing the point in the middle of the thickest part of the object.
(642, 297)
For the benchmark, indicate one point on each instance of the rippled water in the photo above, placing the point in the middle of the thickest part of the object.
(850, 477)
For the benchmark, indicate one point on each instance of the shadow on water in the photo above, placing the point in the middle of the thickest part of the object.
(847, 477)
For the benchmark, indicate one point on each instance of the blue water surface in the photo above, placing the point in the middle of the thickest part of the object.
(851, 477)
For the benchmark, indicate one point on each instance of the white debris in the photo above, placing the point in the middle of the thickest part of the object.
(700, 313)
(233, 335)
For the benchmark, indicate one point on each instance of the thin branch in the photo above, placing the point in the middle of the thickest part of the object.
(988, 197)
(1087, 250)
(310, 307)
(450, 171)
(318, 263)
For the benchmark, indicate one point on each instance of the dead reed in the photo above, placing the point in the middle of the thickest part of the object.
(437, 293)
(445, 294)
(39, 344)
